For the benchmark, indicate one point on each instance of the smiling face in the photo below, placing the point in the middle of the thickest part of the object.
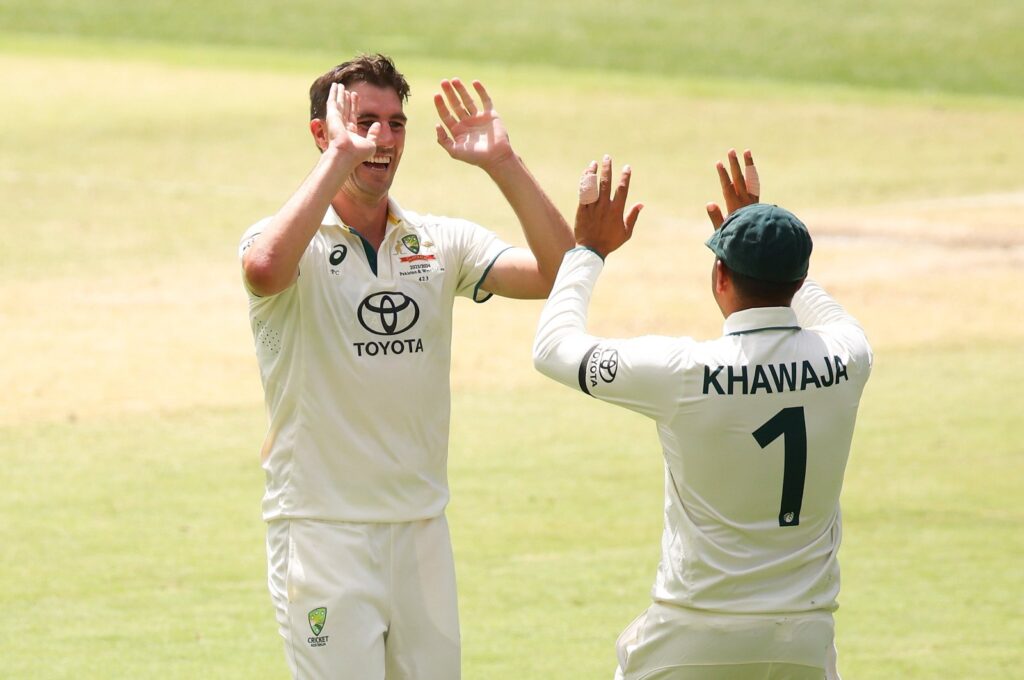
(372, 179)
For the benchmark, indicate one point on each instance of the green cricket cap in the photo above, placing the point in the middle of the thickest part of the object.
(764, 242)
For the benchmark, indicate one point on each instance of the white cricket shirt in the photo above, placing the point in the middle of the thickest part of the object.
(355, 359)
(755, 429)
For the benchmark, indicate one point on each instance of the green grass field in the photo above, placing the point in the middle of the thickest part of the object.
(141, 139)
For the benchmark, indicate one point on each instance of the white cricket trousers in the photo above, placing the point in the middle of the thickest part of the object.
(365, 601)
(667, 642)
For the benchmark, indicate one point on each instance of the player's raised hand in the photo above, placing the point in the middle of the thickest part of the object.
(342, 124)
(601, 220)
(470, 133)
(738, 190)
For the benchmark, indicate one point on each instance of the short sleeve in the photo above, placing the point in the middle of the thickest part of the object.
(249, 237)
(476, 250)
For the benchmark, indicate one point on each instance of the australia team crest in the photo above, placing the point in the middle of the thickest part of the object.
(317, 619)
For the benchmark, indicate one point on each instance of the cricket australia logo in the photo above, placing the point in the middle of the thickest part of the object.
(412, 242)
(423, 261)
(388, 313)
(317, 621)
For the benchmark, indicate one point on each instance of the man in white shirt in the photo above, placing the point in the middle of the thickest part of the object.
(350, 301)
(755, 428)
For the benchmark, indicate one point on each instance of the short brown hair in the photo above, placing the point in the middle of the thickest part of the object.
(375, 69)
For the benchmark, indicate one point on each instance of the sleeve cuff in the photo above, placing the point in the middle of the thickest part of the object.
(589, 249)
(476, 288)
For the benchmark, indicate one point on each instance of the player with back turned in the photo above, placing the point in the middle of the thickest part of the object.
(350, 301)
(755, 429)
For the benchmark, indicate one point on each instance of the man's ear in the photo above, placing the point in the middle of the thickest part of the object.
(723, 282)
(319, 131)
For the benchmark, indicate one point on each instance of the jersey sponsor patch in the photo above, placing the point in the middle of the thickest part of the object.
(599, 365)
(388, 313)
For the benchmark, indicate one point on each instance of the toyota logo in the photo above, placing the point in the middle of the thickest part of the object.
(609, 365)
(388, 313)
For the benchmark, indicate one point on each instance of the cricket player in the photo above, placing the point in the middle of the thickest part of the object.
(755, 429)
(350, 302)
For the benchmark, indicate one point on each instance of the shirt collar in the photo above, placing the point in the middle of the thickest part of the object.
(760, 319)
(396, 216)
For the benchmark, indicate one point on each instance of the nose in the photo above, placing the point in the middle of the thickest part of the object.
(386, 136)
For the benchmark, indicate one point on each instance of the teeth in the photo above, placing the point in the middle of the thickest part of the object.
(386, 160)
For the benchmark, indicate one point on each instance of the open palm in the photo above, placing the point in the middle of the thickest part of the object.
(470, 133)
(342, 124)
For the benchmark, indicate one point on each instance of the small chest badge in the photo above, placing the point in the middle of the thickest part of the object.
(338, 253)
(419, 264)
(412, 242)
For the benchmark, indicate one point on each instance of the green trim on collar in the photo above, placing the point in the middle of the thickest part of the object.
(766, 328)
(371, 254)
(476, 288)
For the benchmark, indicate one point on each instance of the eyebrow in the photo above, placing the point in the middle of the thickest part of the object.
(397, 117)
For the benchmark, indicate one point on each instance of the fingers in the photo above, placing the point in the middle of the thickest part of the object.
(631, 218)
(588, 191)
(351, 111)
(738, 182)
(373, 132)
(344, 104)
(623, 189)
(342, 111)
(458, 102)
(715, 215)
(485, 99)
(454, 103)
(728, 193)
(442, 111)
(596, 186)
(467, 99)
(333, 102)
(740, 186)
(605, 182)
(443, 139)
(752, 179)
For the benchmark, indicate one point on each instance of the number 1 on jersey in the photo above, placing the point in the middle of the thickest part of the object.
(788, 424)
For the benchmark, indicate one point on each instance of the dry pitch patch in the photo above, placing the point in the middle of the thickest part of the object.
(929, 274)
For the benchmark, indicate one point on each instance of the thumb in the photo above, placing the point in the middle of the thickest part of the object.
(631, 218)
(443, 139)
(373, 132)
(715, 215)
